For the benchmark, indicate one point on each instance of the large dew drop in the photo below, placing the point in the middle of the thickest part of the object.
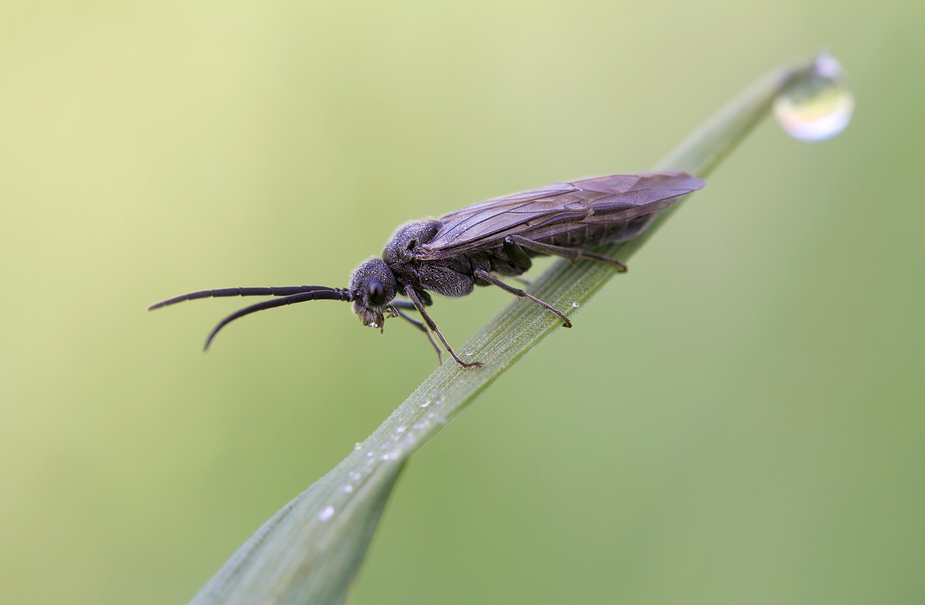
(820, 106)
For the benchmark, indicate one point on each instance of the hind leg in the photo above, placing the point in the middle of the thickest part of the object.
(562, 251)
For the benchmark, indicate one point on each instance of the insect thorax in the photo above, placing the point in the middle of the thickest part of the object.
(398, 253)
(448, 277)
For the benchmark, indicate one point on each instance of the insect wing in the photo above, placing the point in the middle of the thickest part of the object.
(549, 191)
(556, 209)
(482, 219)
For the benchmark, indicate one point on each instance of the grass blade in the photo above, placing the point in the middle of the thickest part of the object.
(311, 550)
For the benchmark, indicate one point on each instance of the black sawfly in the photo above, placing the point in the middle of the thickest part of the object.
(469, 247)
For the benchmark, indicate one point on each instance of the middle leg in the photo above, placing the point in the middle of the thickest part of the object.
(486, 276)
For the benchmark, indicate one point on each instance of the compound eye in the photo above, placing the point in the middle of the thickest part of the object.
(376, 292)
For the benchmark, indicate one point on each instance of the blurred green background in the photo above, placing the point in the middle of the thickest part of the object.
(737, 420)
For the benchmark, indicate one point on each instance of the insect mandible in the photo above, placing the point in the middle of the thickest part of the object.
(471, 247)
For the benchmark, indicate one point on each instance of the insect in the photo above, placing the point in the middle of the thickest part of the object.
(471, 247)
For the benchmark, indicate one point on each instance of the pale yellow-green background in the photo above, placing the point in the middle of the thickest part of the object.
(737, 420)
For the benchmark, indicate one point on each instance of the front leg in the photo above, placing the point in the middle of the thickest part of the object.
(396, 309)
(419, 305)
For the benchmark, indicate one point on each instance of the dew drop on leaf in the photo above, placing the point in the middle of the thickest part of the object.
(819, 106)
(326, 513)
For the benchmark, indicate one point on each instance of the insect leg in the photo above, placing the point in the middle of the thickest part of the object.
(420, 326)
(403, 304)
(569, 253)
(419, 305)
(486, 276)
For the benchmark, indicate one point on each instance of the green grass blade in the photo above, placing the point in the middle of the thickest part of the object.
(311, 550)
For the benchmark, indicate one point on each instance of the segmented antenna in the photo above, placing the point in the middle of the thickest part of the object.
(290, 295)
(222, 292)
(327, 294)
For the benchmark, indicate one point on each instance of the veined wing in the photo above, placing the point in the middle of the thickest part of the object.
(556, 208)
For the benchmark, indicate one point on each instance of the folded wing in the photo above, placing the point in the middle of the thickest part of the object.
(556, 209)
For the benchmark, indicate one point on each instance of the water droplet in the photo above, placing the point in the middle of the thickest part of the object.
(326, 513)
(401, 430)
(347, 488)
(426, 403)
(820, 106)
(358, 446)
(354, 475)
(431, 415)
(468, 353)
(373, 324)
(369, 454)
(418, 426)
(575, 305)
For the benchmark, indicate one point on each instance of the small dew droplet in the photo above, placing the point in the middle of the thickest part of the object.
(575, 305)
(354, 475)
(426, 403)
(819, 106)
(326, 513)
(373, 324)
(401, 430)
(347, 488)
(358, 446)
